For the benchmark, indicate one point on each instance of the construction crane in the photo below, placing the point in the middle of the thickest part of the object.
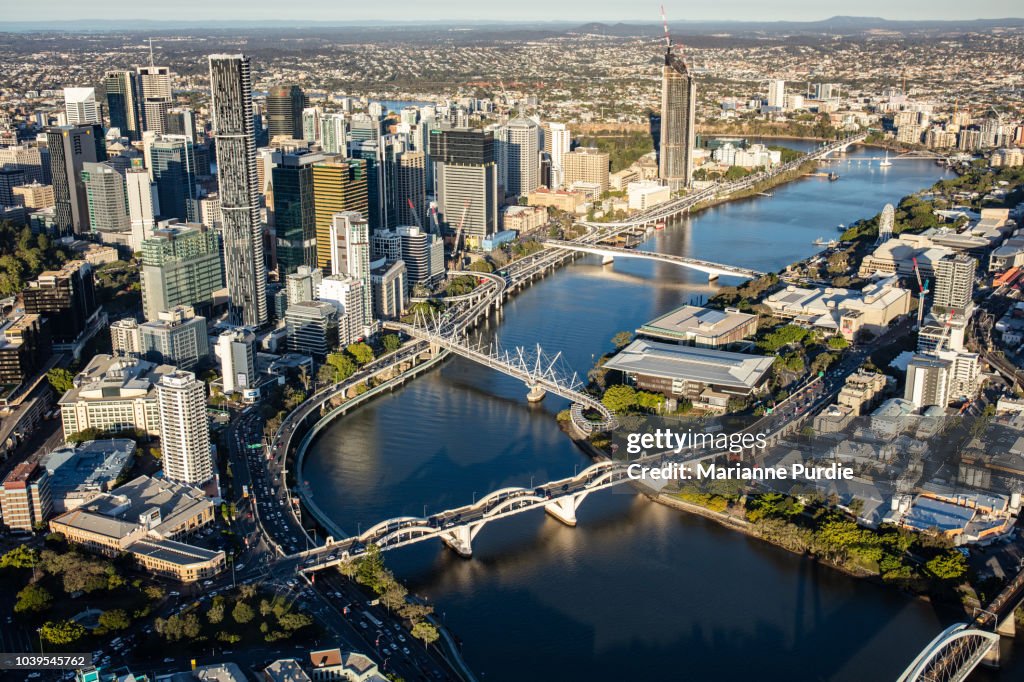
(415, 214)
(945, 333)
(456, 251)
(664, 23)
(922, 288)
(433, 220)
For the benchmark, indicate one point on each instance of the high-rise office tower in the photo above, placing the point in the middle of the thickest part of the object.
(284, 111)
(390, 287)
(184, 428)
(466, 179)
(777, 93)
(181, 265)
(173, 167)
(70, 147)
(143, 204)
(123, 103)
(231, 83)
(557, 143)
(365, 128)
(182, 121)
(67, 297)
(28, 159)
(311, 124)
(334, 134)
(9, 179)
(80, 105)
(155, 96)
(382, 160)
(522, 157)
(294, 216)
(678, 110)
(411, 188)
(339, 184)
(350, 254)
(422, 252)
(954, 284)
(107, 199)
(312, 328)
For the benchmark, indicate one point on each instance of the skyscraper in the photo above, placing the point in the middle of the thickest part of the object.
(466, 180)
(334, 134)
(123, 103)
(294, 217)
(80, 105)
(350, 254)
(678, 109)
(184, 428)
(777, 93)
(173, 167)
(339, 184)
(231, 83)
(107, 199)
(411, 188)
(557, 142)
(155, 96)
(284, 111)
(522, 156)
(311, 124)
(143, 204)
(181, 265)
(70, 147)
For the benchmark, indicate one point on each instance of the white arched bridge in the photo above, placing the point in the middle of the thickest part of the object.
(712, 269)
(951, 656)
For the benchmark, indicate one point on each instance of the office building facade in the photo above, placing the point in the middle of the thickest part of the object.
(181, 265)
(294, 214)
(339, 185)
(284, 111)
(466, 180)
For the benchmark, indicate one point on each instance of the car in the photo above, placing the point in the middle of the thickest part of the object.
(168, 660)
(207, 583)
(401, 638)
(405, 650)
(363, 625)
(239, 567)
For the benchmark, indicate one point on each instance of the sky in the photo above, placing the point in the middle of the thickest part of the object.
(341, 11)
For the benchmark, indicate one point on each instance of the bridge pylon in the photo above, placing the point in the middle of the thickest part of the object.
(564, 508)
(460, 538)
(536, 393)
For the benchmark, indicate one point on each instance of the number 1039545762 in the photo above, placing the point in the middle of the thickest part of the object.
(22, 661)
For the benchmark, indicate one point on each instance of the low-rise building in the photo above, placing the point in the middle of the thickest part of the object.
(563, 200)
(706, 377)
(148, 519)
(843, 311)
(331, 665)
(523, 218)
(285, 670)
(78, 473)
(860, 391)
(703, 327)
(645, 194)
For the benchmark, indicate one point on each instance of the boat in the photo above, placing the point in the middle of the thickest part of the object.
(820, 241)
(833, 176)
(886, 162)
(660, 225)
(841, 228)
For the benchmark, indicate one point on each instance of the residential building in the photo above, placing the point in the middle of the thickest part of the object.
(114, 394)
(232, 114)
(304, 284)
(702, 327)
(557, 143)
(928, 381)
(776, 93)
(586, 164)
(26, 501)
(311, 124)
(678, 130)
(66, 297)
(861, 391)
(181, 265)
(339, 185)
(184, 428)
(24, 348)
(520, 156)
(350, 254)
(334, 134)
(148, 519)
(707, 377)
(351, 299)
(954, 284)
(143, 205)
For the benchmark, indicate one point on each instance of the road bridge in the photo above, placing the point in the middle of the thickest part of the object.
(712, 269)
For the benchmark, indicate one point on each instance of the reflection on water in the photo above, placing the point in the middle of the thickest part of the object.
(637, 590)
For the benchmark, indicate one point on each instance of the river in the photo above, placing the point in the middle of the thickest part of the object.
(636, 590)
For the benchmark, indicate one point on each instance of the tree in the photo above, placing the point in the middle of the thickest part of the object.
(62, 632)
(621, 340)
(948, 566)
(360, 352)
(619, 398)
(343, 366)
(838, 343)
(115, 619)
(481, 265)
(371, 568)
(19, 557)
(294, 621)
(216, 613)
(391, 343)
(33, 597)
(242, 613)
(61, 379)
(425, 632)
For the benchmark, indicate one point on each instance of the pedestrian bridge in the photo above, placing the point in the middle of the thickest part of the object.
(712, 269)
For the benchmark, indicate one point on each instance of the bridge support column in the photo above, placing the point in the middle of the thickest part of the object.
(712, 276)
(1008, 627)
(608, 259)
(536, 394)
(564, 508)
(460, 539)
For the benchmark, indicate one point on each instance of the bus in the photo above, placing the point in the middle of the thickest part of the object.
(245, 491)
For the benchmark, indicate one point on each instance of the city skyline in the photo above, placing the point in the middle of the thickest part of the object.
(322, 12)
